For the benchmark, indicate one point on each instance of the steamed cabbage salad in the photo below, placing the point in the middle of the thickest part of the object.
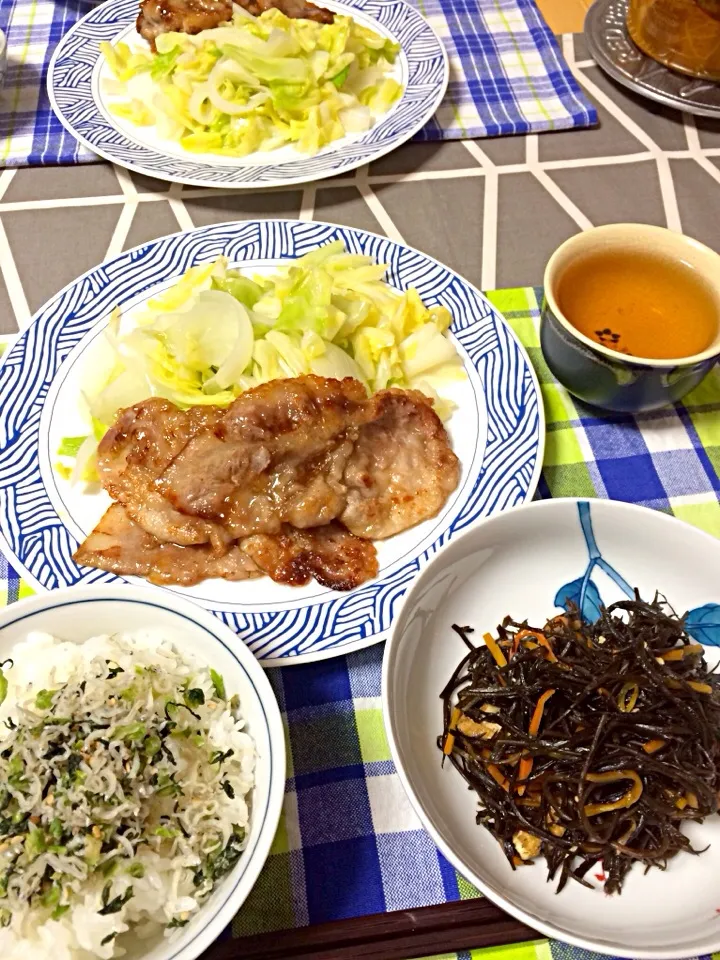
(125, 779)
(216, 333)
(257, 83)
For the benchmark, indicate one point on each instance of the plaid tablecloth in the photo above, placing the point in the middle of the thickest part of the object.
(507, 76)
(349, 843)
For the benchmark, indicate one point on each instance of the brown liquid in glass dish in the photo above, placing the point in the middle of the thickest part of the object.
(682, 34)
(640, 304)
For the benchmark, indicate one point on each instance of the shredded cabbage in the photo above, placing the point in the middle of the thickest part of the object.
(215, 333)
(257, 83)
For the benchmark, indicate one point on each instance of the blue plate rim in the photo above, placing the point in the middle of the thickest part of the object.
(222, 178)
(351, 645)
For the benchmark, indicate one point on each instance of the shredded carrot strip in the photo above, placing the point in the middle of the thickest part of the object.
(678, 653)
(536, 719)
(492, 645)
(450, 738)
(449, 744)
(497, 776)
(652, 746)
(524, 771)
(544, 642)
(678, 684)
(526, 764)
(541, 639)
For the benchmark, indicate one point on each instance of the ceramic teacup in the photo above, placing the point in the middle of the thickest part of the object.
(603, 377)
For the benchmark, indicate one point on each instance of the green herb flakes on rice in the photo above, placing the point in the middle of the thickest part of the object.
(125, 779)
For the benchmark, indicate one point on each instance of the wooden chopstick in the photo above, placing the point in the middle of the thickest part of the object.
(399, 935)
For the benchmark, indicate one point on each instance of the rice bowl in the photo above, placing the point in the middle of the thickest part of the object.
(136, 802)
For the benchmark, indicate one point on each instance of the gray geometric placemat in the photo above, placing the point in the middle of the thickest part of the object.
(494, 210)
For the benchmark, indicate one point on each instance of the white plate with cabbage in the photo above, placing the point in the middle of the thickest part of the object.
(255, 101)
(198, 318)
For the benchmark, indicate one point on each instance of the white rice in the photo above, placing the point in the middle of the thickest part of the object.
(167, 890)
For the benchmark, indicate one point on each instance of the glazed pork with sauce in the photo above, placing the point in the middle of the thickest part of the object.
(180, 16)
(294, 479)
(193, 16)
(334, 557)
(294, 9)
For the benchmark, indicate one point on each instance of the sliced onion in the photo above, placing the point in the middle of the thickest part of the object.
(227, 67)
(232, 369)
(217, 75)
(129, 388)
(319, 62)
(424, 350)
(281, 44)
(206, 334)
(86, 453)
(355, 119)
(198, 98)
(336, 364)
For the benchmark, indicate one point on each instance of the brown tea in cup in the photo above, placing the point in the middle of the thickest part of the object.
(640, 303)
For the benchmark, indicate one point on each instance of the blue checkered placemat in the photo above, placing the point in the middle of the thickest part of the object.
(349, 843)
(507, 76)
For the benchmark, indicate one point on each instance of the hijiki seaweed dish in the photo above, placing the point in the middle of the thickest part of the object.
(589, 744)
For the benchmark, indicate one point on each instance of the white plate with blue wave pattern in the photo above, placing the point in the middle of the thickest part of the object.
(79, 94)
(497, 432)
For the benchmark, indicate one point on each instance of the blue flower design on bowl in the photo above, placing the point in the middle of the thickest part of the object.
(701, 623)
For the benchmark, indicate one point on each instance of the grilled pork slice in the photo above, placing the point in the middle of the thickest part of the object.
(295, 9)
(142, 443)
(402, 469)
(180, 16)
(192, 16)
(333, 556)
(276, 455)
(301, 451)
(120, 545)
(287, 457)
